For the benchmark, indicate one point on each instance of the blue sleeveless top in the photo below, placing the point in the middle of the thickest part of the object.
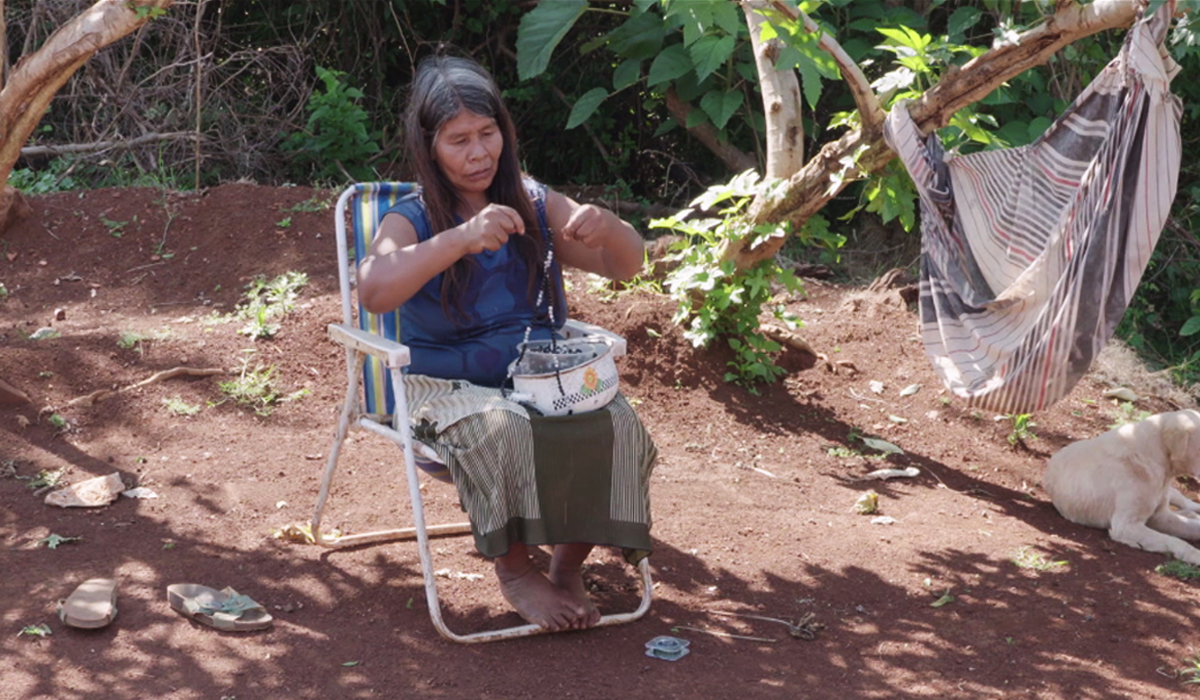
(496, 301)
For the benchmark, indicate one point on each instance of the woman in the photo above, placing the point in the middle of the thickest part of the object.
(464, 261)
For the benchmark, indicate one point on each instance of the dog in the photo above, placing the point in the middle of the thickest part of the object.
(1123, 481)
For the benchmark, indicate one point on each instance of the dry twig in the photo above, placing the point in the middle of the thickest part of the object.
(101, 394)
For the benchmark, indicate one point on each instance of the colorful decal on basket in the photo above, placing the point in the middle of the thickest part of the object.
(591, 381)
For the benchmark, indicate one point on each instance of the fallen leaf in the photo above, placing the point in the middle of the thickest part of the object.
(52, 540)
(36, 631)
(946, 599)
(351, 663)
(1122, 394)
(910, 389)
(867, 503)
(882, 445)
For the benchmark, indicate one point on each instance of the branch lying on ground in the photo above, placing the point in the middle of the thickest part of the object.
(101, 394)
(789, 339)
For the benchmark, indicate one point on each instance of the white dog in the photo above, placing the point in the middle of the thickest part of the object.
(1124, 480)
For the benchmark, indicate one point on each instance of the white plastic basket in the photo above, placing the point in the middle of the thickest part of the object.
(578, 376)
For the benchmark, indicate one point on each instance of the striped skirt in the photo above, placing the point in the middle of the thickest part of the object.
(523, 477)
(1030, 255)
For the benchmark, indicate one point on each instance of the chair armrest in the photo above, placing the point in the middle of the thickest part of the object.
(576, 329)
(389, 352)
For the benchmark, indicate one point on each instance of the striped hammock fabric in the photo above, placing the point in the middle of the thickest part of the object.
(1030, 255)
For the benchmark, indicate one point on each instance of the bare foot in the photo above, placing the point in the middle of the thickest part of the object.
(536, 599)
(566, 572)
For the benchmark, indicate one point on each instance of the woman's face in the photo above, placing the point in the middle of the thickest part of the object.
(467, 149)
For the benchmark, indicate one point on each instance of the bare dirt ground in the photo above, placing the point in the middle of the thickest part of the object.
(753, 501)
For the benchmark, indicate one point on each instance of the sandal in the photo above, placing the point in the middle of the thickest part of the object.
(225, 610)
(92, 605)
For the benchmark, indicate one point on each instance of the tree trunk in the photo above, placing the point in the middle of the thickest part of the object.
(38, 76)
(780, 96)
(812, 186)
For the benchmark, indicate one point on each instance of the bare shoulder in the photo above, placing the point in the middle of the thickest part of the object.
(395, 231)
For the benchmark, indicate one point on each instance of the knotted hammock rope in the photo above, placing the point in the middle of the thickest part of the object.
(1030, 255)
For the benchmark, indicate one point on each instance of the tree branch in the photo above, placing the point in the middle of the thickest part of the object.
(38, 76)
(869, 110)
(52, 150)
(811, 187)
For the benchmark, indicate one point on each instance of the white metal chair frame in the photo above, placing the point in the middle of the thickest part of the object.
(393, 355)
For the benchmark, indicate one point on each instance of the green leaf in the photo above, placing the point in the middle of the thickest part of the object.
(728, 17)
(961, 20)
(944, 600)
(541, 30)
(882, 445)
(351, 663)
(710, 53)
(674, 62)
(1192, 327)
(585, 106)
(720, 106)
(666, 127)
(627, 73)
(52, 540)
(640, 37)
(810, 79)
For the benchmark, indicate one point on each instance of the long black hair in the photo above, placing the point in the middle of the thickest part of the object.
(442, 87)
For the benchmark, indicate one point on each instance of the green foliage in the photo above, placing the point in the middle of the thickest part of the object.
(255, 388)
(145, 11)
(336, 138)
(46, 478)
(52, 541)
(1127, 412)
(1022, 424)
(1190, 674)
(53, 178)
(39, 631)
(715, 300)
(1026, 558)
(179, 407)
(1178, 569)
(266, 301)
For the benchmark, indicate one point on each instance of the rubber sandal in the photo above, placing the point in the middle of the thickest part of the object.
(92, 605)
(225, 610)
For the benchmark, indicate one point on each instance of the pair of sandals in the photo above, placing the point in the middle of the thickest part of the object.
(94, 604)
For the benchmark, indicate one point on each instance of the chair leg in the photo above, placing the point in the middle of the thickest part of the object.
(354, 361)
(345, 422)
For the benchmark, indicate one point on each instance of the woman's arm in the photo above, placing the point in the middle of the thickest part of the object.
(593, 239)
(398, 265)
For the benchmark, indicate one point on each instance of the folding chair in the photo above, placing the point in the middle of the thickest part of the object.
(374, 359)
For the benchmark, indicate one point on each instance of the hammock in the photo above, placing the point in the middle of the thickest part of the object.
(1030, 255)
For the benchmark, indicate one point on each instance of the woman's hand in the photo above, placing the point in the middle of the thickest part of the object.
(590, 225)
(490, 228)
